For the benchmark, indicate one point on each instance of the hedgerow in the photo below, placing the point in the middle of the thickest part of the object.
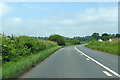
(15, 47)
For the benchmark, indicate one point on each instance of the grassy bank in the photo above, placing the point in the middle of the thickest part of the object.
(14, 69)
(0, 57)
(14, 47)
(109, 47)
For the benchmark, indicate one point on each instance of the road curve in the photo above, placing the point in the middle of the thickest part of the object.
(69, 63)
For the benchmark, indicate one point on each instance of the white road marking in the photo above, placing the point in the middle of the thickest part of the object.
(107, 73)
(87, 59)
(100, 64)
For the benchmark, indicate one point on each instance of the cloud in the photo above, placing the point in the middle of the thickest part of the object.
(40, 7)
(16, 20)
(4, 9)
(80, 23)
(68, 22)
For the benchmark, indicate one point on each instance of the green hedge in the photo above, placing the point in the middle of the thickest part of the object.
(72, 42)
(14, 47)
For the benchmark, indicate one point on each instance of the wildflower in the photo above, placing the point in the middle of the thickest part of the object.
(12, 41)
(7, 38)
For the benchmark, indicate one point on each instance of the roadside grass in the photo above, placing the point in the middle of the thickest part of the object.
(108, 47)
(0, 57)
(0, 73)
(14, 69)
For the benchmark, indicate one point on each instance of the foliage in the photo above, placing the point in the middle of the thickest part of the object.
(42, 38)
(14, 69)
(110, 47)
(92, 39)
(86, 38)
(96, 36)
(57, 38)
(0, 46)
(118, 35)
(73, 42)
(105, 37)
(14, 47)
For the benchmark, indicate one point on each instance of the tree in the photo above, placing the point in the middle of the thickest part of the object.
(57, 38)
(105, 36)
(112, 36)
(118, 35)
(96, 36)
(92, 39)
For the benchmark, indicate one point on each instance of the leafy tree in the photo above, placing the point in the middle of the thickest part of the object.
(105, 36)
(96, 36)
(57, 38)
(92, 39)
(73, 41)
(66, 38)
(86, 38)
(118, 35)
(112, 36)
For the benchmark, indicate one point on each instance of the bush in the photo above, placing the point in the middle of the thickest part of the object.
(57, 38)
(72, 42)
(14, 47)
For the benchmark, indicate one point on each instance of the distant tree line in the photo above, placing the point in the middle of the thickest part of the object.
(96, 36)
(105, 36)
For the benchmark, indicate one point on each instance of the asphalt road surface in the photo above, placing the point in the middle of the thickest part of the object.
(76, 62)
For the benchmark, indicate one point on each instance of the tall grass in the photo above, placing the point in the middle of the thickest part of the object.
(109, 47)
(20, 53)
(14, 69)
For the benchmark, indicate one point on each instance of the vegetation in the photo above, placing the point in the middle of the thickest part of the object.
(20, 53)
(14, 69)
(104, 37)
(96, 36)
(109, 47)
(18, 47)
(0, 48)
(57, 38)
(23, 52)
(72, 42)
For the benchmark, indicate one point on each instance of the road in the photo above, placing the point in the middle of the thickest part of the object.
(68, 62)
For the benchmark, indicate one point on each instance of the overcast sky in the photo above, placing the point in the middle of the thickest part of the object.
(64, 18)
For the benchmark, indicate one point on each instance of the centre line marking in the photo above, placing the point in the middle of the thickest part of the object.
(107, 73)
(100, 64)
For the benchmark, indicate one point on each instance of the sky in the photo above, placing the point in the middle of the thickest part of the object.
(64, 18)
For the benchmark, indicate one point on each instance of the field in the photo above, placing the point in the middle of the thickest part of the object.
(106, 46)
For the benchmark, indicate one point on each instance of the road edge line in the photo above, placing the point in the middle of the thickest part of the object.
(107, 73)
(100, 64)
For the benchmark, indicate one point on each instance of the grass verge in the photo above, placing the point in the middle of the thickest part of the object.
(108, 47)
(0, 57)
(14, 69)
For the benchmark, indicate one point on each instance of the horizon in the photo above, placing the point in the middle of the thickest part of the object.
(67, 19)
(54, 34)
